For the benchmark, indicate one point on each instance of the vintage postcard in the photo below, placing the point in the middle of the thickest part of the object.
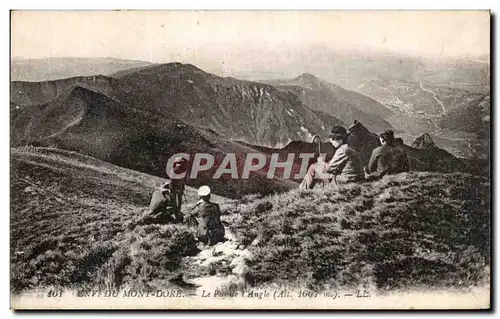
(250, 160)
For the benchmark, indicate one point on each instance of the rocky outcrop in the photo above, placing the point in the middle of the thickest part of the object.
(424, 142)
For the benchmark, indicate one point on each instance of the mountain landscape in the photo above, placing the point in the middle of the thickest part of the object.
(91, 123)
(125, 122)
(73, 226)
(351, 68)
(248, 111)
(406, 107)
(70, 213)
(338, 102)
(34, 93)
(415, 89)
(438, 109)
(425, 96)
(411, 108)
(473, 118)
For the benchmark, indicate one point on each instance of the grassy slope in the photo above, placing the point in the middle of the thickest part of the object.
(411, 230)
(71, 218)
(69, 223)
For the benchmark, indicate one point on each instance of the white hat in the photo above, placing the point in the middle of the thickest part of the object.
(204, 191)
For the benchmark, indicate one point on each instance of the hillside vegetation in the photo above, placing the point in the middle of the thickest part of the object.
(72, 223)
(75, 223)
(411, 230)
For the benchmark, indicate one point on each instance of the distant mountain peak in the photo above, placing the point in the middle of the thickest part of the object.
(165, 68)
(337, 102)
(178, 64)
(307, 75)
(308, 79)
(184, 66)
(424, 141)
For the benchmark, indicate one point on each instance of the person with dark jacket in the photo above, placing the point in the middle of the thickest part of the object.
(387, 159)
(206, 218)
(162, 205)
(344, 167)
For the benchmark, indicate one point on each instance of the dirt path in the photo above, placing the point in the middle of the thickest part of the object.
(361, 85)
(220, 267)
(469, 146)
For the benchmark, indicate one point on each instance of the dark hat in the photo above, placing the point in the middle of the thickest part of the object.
(388, 135)
(338, 132)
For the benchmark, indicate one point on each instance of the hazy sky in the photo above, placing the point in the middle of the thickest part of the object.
(219, 36)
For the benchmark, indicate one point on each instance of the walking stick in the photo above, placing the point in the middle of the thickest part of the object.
(317, 139)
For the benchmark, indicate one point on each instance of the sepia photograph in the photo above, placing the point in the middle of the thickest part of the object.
(250, 159)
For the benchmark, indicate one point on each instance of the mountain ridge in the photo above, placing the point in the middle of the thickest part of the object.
(249, 111)
(336, 101)
(54, 68)
(424, 141)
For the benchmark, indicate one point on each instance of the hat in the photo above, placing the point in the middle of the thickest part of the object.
(204, 191)
(338, 132)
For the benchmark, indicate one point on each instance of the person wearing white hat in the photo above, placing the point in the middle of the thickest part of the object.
(206, 217)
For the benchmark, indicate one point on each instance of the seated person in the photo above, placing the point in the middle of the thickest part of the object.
(344, 167)
(387, 159)
(162, 206)
(206, 217)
